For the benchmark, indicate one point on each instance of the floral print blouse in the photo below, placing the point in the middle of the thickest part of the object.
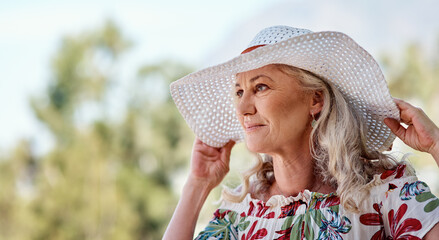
(398, 207)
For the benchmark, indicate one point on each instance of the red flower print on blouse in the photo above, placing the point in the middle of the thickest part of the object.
(399, 172)
(392, 187)
(259, 234)
(260, 211)
(290, 209)
(374, 219)
(399, 230)
(217, 214)
(327, 202)
(286, 234)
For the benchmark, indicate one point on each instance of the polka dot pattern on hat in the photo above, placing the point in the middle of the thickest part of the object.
(276, 34)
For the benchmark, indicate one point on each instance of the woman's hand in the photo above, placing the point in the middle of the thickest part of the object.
(210, 165)
(421, 134)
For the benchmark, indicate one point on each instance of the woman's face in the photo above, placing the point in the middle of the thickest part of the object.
(273, 109)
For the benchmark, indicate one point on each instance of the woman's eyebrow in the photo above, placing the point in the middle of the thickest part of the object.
(255, 78)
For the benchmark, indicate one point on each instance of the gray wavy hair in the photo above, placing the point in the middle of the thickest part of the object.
(338, 146)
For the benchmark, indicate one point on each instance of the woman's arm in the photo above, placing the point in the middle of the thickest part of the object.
(421, 134)
(208, 167)
(433, 234)
(185, 216)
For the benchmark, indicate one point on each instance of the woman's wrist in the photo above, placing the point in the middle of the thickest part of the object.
(435, 149)
(435, 152)
(198, 184)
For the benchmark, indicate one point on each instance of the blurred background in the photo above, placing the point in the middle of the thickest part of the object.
(91, 144)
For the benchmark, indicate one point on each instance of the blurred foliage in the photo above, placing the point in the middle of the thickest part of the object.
(116, 178)
(415, 76)
(109, 179)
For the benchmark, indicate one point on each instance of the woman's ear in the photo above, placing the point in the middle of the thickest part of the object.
(317, 102)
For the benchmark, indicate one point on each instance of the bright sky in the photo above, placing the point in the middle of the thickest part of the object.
(198, 32)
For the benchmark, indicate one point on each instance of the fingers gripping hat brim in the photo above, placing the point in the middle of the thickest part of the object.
(205, 98)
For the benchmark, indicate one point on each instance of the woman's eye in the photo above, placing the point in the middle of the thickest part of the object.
(261, 87)
(239, 93)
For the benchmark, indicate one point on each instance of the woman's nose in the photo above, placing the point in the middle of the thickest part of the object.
(246, 105)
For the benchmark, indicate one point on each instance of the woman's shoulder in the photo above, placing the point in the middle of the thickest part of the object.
(397, 198)
(400, 187)
(400, 173)
(391, 180)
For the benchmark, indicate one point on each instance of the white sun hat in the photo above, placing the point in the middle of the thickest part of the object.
(205, 98)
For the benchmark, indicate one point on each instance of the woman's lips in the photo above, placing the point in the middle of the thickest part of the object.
(253, 127)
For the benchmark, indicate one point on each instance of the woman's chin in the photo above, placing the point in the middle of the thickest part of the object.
(256, 146)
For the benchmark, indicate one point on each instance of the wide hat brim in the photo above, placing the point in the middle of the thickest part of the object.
(205, 98)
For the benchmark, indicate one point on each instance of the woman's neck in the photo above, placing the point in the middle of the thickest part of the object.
(294, 172)
(293, 175)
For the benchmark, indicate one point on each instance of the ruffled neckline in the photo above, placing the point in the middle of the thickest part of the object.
(279, 200)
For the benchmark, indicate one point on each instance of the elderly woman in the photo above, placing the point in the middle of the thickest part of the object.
(317, 109)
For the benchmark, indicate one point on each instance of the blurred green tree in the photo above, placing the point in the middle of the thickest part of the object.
(415, 76)
(106, 178)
